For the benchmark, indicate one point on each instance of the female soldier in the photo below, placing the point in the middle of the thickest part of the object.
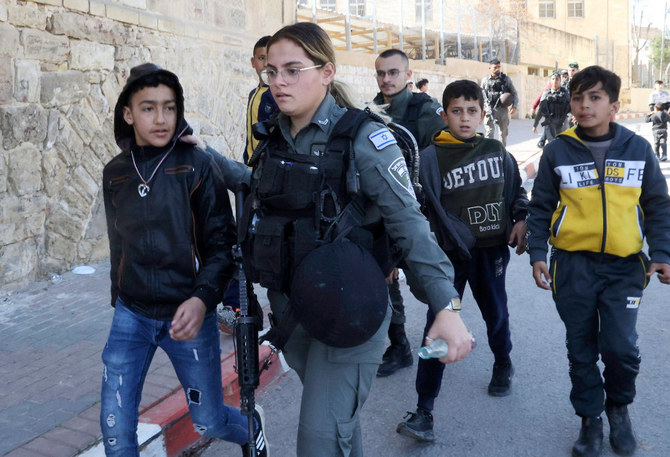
(336, 380)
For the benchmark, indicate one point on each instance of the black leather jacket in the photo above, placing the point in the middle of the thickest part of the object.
(174, 243)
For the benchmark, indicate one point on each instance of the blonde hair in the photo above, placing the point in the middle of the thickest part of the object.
(319, 48)
(309, 36)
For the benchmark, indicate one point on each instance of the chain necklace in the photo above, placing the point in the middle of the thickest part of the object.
(143, 189)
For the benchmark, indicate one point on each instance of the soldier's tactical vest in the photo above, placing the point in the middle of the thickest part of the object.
(296, 202)
(558, 104)
(495, 87)
(411, 117)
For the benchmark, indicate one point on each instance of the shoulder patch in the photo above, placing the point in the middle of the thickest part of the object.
(382, 138)
(439, 111)
(398, 169)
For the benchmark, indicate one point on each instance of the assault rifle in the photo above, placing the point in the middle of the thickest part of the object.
(246, 333)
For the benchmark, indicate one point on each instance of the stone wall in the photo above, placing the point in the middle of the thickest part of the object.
(62, 66)
(540, 43)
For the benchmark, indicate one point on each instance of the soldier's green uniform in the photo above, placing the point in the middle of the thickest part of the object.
(336, 381)
(425, 125)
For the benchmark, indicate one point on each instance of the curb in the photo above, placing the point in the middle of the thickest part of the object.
(165, 428)
(528, 168)
(629, 115)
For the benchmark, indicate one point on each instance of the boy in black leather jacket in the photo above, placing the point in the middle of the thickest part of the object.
(170, 237)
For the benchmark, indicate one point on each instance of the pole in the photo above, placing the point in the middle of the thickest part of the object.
(347, 25)
(490, 39)
(458, 32)
(423, 29)
(374, 26)
(474, 21)
(660, 66)
(400, 34)
(443, 58)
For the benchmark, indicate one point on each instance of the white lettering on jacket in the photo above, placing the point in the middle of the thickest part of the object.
(480, 170)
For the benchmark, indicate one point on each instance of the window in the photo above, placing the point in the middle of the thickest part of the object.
(428, 10)
(357, 7)
(547, 8)
(328, 5)
(576, 9)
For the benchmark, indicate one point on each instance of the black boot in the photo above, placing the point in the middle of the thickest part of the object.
(622, 439)
(398, 355)
(590, 441)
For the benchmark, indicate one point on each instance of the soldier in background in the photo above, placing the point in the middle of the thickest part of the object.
(501, 101)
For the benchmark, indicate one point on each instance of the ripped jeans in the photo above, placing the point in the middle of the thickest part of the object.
(131, 345)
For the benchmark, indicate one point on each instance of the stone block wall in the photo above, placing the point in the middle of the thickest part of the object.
(62, 66)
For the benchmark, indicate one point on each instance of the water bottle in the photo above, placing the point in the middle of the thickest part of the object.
(437, 348)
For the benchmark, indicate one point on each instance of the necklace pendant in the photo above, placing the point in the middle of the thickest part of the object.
(143, 190)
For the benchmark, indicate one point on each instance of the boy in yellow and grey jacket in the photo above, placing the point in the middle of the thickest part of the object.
(598, 193)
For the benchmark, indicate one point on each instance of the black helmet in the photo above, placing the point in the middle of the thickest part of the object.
(339, 294)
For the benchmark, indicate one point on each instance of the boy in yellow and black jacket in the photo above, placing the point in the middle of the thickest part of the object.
(598, 193)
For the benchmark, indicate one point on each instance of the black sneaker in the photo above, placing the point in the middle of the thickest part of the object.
(262, 449)
(419, 425)
(501, 380)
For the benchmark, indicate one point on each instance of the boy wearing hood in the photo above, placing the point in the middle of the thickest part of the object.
(598, 193)
(170, 237)
(476, 207)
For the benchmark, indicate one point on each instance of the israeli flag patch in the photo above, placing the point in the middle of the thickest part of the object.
(382, 138)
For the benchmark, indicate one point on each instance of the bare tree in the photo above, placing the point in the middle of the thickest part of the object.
(504, 17)
(640, 38)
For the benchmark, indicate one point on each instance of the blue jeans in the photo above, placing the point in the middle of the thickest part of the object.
(131, 345)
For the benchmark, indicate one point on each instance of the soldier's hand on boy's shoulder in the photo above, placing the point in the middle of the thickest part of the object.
(663, 270)
(194, 140)
(188, 319)
(518, 237)
(541, 275)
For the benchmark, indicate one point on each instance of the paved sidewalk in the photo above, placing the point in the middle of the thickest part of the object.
(51, 338)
